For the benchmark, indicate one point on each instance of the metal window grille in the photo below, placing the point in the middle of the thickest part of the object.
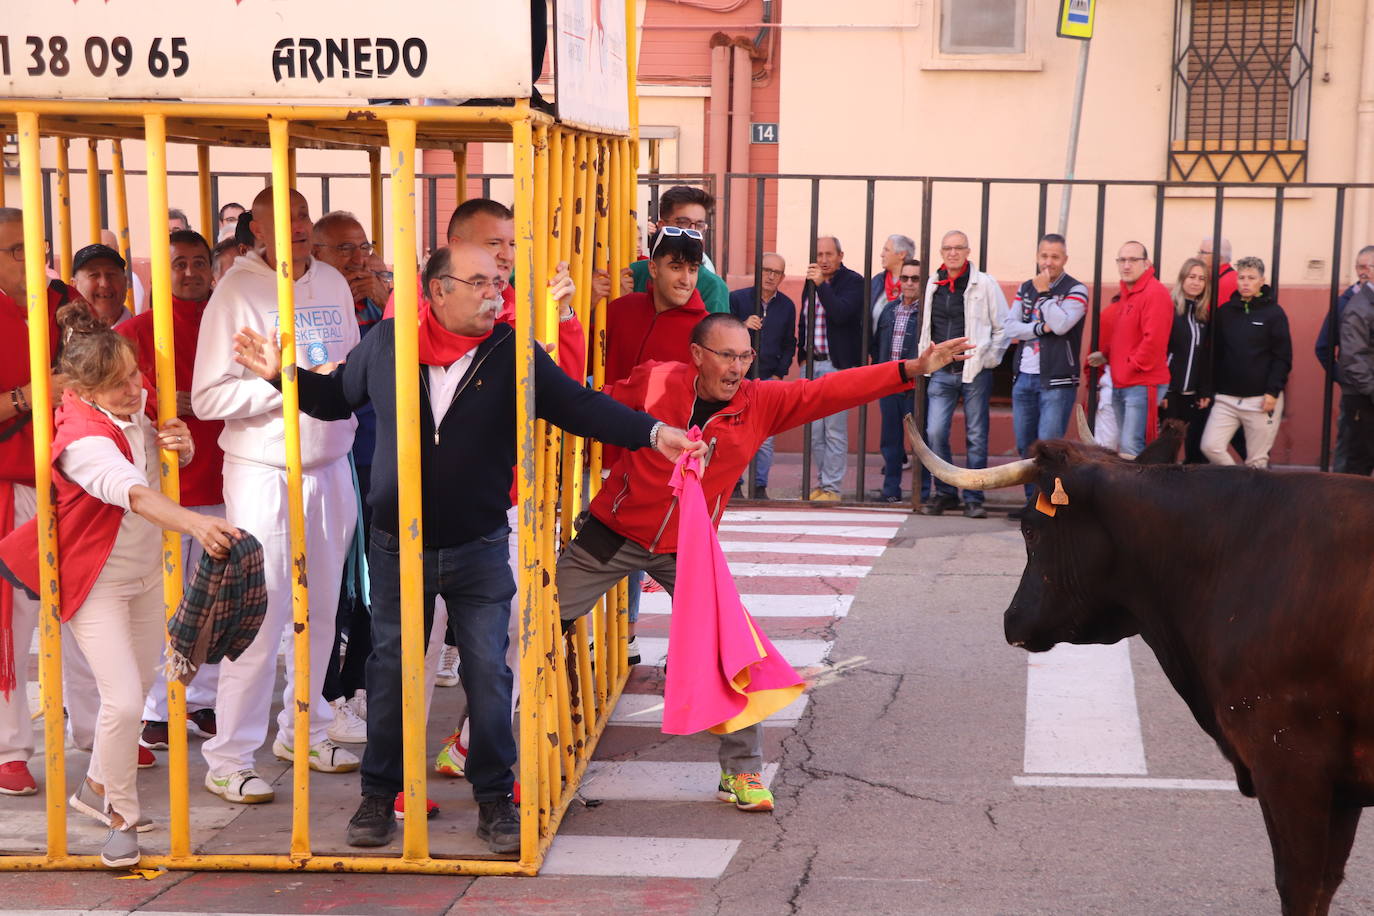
(1241, 90)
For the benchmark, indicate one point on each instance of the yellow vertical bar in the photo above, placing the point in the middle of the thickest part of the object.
(209, 219)
(279, 132)
(596, 347)
(573, 449)
(121, 201)
(93, 190)
(531, 719)
(568, 205)
(401, 138)
(155, 134)
(64, 209)
(460, 173)
(544, 691)
(291, 164)
(541, 232)
(50, 609)
(374, 173)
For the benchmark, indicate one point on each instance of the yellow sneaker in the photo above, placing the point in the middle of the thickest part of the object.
(824, 496)
(452, 757)
(746, 791)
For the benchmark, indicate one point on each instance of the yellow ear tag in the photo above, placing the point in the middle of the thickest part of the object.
(1043, 505)
(1059, 498)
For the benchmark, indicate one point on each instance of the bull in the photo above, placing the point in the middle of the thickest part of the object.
(1271, 647)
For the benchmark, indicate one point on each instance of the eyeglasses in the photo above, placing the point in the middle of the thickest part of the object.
(683, 222)
(746, 357)
(348, 248)
(15, 251)
(1122, 262)
(910, 278)
(491, 283)
(769, 271)
(948, 248)
(672, 232)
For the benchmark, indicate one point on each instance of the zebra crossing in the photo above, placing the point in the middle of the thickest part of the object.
(797, 572)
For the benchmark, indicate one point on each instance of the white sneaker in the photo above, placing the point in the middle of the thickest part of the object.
(447, 675)
(347, 728)
(359, 704)
(244, 787)
(325, 757)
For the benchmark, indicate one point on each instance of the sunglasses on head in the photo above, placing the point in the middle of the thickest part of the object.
(665, 232)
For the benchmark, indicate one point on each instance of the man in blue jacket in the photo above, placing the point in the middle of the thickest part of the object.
(1327, 356)
(772, 322)
(835, 343)
(894, 337)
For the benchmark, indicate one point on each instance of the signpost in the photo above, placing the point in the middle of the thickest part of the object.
(590, 73)
(1076, 21)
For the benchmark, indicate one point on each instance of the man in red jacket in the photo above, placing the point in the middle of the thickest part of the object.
(202, 481)
(1135, 343)
(633, 521)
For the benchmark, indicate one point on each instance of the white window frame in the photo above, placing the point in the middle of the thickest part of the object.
(984, 58)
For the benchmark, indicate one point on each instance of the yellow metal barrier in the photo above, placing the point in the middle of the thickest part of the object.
(573, 196)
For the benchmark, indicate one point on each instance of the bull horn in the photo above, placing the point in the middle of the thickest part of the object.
(1085, 434)
(1006, 475)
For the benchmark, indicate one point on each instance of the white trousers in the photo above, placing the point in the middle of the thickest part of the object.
(1228, 414)
(200, 693)
(255, 500)
(16, 727)
(121, 629)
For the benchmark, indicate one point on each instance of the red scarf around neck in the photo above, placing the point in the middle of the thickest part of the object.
(949, 279)
(438, 345)
(893, 286)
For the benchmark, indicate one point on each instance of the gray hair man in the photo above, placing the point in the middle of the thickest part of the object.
(886, 285)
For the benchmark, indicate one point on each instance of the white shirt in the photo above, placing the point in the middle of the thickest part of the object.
(443, 384)
(95, 464)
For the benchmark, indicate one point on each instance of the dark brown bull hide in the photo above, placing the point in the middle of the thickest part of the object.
(1255, 590)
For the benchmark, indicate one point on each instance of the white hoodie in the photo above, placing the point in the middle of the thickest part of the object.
(251, 409)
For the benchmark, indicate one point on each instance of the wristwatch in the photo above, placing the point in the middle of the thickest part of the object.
(653, 434)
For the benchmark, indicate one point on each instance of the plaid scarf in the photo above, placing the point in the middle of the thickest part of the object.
(220, 612)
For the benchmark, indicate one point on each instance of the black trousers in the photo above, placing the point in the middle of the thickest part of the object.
(1357, 414)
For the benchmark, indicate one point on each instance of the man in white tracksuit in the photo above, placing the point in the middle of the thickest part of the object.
(255, 494)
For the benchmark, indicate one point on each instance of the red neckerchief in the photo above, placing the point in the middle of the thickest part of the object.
(948, 279)
(507, 315)
(438, 345)
(892, 286)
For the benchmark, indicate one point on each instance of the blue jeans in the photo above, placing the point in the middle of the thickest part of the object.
(763, 462)
(1039, 413)
(894, 409)
(829, 440)
(945, 388)
(636, 586)
(477, 586)
(1132, 410)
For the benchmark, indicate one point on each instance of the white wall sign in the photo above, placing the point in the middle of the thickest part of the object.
(200, 49)
(590, 74)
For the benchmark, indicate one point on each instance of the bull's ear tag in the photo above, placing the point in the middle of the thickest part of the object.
(1044, 506)
(1059, 498)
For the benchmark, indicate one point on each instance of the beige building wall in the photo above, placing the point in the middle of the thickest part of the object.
(877, 97)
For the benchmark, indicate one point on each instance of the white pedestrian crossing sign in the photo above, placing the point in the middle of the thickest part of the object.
(1076, 18)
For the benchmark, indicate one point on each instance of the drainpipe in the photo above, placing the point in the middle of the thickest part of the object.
(1362, 227)
(718, 147)
(739, 154)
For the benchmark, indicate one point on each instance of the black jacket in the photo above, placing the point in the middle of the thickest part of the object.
(880, 347)
(1253, 352)
(842, 297)
(467, 466)
(1357, 342)
(778, 339)
(1189, 363)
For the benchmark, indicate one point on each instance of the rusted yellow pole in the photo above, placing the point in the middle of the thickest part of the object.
(121, 202)
(401, 138)
(374, 173)
(279, 133)
(64, 209)
(209, 219)
(460, 173)
(596, 350)
(155, 132)
(93, 184)
(40, 399)
(531, 712)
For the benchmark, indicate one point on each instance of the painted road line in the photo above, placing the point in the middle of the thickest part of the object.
(646, 709)
(817, 570)
(765, 605)
(814, 517)
(636, 780)
(1126, 782)
(799, 653)
(1081, 712)
(790, 547)
(638, 857)
(838, 531)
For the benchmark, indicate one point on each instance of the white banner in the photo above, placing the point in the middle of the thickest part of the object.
(272, 49)
(591, 78)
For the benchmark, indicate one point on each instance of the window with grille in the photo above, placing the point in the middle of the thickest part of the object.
(1242, 81)
(983, 27)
